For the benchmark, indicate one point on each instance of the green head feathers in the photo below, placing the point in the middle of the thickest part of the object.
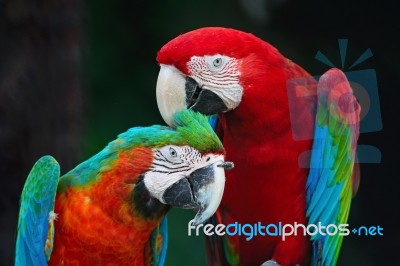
(190, 128)
(195, 131)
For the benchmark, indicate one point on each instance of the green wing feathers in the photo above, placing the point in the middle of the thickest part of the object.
(37, 203)
(330, 181)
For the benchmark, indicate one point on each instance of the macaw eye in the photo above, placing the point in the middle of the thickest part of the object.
(217, 62)
(173, 153)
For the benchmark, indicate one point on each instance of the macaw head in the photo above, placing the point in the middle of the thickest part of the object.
(185, 166)
(212, 70)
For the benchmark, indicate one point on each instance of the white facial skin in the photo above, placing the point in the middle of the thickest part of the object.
(172, 163)
(217, 73)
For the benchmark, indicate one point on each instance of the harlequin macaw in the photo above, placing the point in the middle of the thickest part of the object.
(267, 130)
(109, 209)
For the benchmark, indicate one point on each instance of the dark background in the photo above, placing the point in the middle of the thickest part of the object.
(74, 74)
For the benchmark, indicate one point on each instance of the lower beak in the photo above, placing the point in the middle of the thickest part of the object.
(176, 92)
(201, 190)
(202, 100)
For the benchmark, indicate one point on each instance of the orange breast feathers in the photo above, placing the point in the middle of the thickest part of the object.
(97, 224)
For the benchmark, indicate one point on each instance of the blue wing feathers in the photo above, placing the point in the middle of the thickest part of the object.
(213, 121)
(37, 201)
(329, 185)
(159, 253)
(164, 233)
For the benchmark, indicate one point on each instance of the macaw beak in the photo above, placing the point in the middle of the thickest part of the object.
(201, 190)
(175, 92)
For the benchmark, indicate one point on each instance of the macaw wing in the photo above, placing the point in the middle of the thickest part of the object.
(330, 183)
(159, 243)
(216, 124)
(213, 121)
(221, 250)
(37, 202)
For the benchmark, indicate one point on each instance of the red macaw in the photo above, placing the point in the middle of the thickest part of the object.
(247, 83)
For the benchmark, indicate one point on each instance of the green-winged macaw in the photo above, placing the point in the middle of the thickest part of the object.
(267, 106)
(109, 209)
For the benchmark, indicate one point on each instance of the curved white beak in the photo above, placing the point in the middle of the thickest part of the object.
(170, 91)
